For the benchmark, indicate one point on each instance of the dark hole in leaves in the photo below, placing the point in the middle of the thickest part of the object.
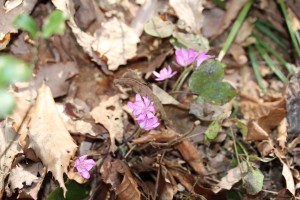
(111, 108)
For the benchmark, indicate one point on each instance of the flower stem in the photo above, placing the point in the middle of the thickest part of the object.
(179, 79)
(182, 78)
(165, 85)
(235, 28)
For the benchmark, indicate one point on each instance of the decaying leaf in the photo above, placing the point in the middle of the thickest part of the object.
(190, 11)
(158, 28)
(253, 181)
(282, 133)
(163, 96)
(256, 132)
(110, 114)
(118, 175)
(190, 41)
(48, 136)
(165, 135)
(8, 153)
(8, 16)
(23, 177)
(117, 42)
(233, 176)
(167, 187)
(192, 156)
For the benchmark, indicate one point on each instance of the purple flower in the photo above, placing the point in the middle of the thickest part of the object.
(164, 74)
(84, 165)
(142, 109)
(201, 58)
(148, 123)
(185, 57)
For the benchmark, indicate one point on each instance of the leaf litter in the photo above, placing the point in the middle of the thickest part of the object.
(246, 146)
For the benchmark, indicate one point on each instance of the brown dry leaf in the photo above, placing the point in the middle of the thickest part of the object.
(110, 114)
(255, 132)
(4, 41)
(48, 136)
(8, 153)
(282, 133)
(265, 147)
(167, 186)
(190, 11)
(118, 175)
(233, 176)
(115, 41)
(212, 21)
(163, 96)
(238, 53)
(165, 135)
(56, 76)
(245, 31)
(233, 9)
(294, 20)
(192, 156)
(27, 174)
(8, 16)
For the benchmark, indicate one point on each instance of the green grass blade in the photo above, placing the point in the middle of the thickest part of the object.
(255, 66)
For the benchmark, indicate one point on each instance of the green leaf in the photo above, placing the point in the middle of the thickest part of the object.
(7, 103)
(189, 41)
(75, 191)
(253, 181)
(54, 24)
(158, 28)
(207, 82)
(26, 23)
(13, 70)
(214, 128)
(243, 127)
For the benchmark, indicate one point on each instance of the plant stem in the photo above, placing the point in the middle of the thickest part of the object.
(180, 77)
(269, 34)
(255, 66)
(274, 53)
(270, 63)
(165, 85)
(235, 28)
(289, 26)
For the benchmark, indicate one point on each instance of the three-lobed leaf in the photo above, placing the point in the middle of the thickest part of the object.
(207, 81)
(54, 24)
(26, 23)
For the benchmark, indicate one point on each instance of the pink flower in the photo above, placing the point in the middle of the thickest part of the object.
(142, 109)
(185, 57)
(201, 58)
(84, 165)
(164, 74)
(148, 123)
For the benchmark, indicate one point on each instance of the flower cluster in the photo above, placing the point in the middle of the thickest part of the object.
(84, 165)
(186, 57)
(143, 110)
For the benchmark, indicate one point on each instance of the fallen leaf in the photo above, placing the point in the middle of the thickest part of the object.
(256, 132)
(294, 20)
(238, 53)
(159, 28)
(7, 153)
(190, 41)
(110, 114)
(163, 96)
(4, 41)
(48, 136)
(190, 11)
(233, 176)
(8, 16)
(282, 133)
(167, 186)
(192, 156)
(253, 181)
(165, 135)
(212, 21)
(118, 175)
(117, 42)
(231, 13)
(244, 32)
(265, 147)
(56, 76)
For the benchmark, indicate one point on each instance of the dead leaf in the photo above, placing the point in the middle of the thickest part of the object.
(8, 16)
(4, 41)
(49, 137)
(282, 133)
(232, 10)
(244, 32)
(238, 53)
(212, 21)
(110, 114)
(118, 175)
(167, 186)
(165, 135)
(265, 147)
(56, 76)
(8, 153)
(117, 42)
(255, 132)
(190, 11)
(192, 156)
(233, 176)
(163, 96)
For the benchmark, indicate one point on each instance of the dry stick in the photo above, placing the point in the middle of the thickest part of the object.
(158, 176)
(235, 28)
(236, 151)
